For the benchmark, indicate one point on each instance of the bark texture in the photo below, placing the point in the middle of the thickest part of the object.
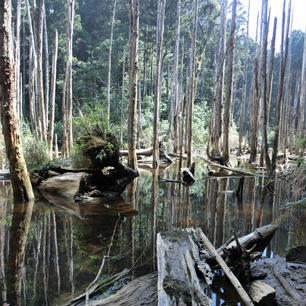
(22, 188)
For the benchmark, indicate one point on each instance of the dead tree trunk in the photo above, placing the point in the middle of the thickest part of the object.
(175, 82)
(244, 86)
(22, 188)
(159, 45)
(215, 126)
(192, 84)
(133, 77)
(109, 67)
(52, 94)
(284, 54)
(122, 97)
(228, 101)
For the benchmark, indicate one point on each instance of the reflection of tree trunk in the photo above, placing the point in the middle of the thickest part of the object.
(212, 191)
(18, 234)
(39, 234)
(132, 188)
(154, 203)
(56, 261)
(44, 254)
(249, 202)
(220, 217)
(68, 238)
(3, 205)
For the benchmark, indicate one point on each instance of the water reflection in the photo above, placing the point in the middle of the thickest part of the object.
(64, 244)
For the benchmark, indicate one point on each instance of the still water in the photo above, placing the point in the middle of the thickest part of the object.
(63, 244)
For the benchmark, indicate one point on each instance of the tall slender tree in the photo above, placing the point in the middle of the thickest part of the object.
(22, 188)
(110, 62)
(159, 45)
(133, 78)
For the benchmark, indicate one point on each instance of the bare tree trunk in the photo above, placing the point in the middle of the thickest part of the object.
(40, 84)
(244, 86)
(192, 84)
(228, 101)
(33, 70)
(67, 87)
(122, 97)
(263, 81)
(284, 54)
(52, 95)
(175, 81)
(22, 188)
(3, 209)
(110, 63)
(47, 87)
(139, 118)
(17, 61)
(133, 78)
(159, 45)
(301, 117)
(215, 125)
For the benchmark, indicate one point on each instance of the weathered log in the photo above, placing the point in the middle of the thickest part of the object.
(243, 172)
(257, 241)
(262, 294)
(107, 182)
(177, 262)
(235, 282)
(163, 155)
(141, 291)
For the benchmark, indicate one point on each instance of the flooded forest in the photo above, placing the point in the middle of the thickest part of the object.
(152, 153)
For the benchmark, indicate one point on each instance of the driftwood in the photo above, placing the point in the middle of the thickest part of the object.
(140, 291)
(262, 294)
(235, 282)
(163, 155)
(243, 172)
(177, 262)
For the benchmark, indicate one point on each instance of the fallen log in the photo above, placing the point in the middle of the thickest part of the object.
(243, 172)
(177, 262)
(141, 291)
(262, 294)
(235, 282)
(163, 155)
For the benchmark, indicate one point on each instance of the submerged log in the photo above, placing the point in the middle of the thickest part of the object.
(178, 261)
(235, 282)
(163, 155)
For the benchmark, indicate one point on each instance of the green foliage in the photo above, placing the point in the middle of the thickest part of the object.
(35, 151)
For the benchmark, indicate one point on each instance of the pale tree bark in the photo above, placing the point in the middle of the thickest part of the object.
(47, 79)
(40, 83)
(52, 95)
(215, 125)
(133, 78)
(244, 86)
(67, 87)
(175, 81)
(139, 118)
(109, 67)
(17, 61)
(32, 74)
(159, 44)
(255, 99)
(192, 83)
(263, 83)
(22, 188)
(229, 85)
(284, 54)
(122, 97)
(301, 117)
